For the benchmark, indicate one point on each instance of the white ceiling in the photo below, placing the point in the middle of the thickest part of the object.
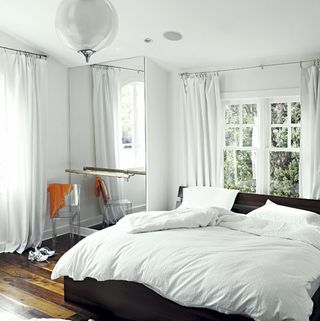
(215, 32)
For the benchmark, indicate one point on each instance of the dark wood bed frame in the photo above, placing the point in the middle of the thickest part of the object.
(123, 300)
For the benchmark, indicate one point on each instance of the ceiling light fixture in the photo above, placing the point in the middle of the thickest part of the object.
(172, 35)
(86, 25)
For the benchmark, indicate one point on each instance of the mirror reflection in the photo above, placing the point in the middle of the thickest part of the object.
(109, 162)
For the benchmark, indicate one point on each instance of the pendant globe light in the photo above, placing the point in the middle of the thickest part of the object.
(86, 25)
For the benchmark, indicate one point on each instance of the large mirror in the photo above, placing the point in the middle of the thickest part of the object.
(107, 140)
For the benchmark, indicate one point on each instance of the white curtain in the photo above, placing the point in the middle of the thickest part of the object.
(201, 131)
(23, 95)
(310, 133)
(106, 116)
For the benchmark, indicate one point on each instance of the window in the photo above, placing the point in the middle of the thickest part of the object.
(284, 149)
(132, 126)
(240, 146)
(262, 146)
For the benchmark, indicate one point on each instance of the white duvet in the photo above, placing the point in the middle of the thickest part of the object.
(210, 258)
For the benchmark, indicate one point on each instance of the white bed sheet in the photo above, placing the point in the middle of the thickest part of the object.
(230, 268)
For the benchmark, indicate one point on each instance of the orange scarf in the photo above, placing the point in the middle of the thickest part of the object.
(57, 195)
(100, 189)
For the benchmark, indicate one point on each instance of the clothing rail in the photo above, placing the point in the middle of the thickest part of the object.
(111, 172)
(115, 170)
(300, 62)
(41, 56)
(110, 66)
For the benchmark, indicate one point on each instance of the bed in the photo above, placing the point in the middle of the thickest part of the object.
(130, 300)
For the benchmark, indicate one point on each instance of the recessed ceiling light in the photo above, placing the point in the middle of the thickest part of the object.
(172, 35)
(148, 40)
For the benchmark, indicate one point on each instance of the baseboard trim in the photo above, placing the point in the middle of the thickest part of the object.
(84, 230)
(139, 208)
(2, 246)
(64, 229)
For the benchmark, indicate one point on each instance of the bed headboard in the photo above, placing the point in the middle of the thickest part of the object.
(246, 202)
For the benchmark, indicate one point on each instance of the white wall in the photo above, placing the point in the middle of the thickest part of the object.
(157, 136)
(82, 151)
(57, 120)
(282, 80)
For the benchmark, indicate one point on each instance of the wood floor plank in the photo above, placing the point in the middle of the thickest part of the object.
(34, 267)
(17, 308)
(31, 277)
(27, 291)
(44, 293)
(29, 299)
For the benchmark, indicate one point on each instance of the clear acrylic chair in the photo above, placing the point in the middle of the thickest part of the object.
(113, 210)
(70, 212)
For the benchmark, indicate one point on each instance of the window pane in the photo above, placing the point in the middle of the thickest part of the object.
(127, 123)
(232, 136)
(284, 174)
(295, 113)
(249, 114)
(279, 137)
(279, 113)
(239, 170)
(232, 114)
(295, 137)
(247, 136)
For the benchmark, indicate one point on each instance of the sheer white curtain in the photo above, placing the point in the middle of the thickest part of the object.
(23, 94)
(310, 133)
(201, 131)
(106, 113)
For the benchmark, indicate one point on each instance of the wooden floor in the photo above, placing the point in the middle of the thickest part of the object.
(27, 291)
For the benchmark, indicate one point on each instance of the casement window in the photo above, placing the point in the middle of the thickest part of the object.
(132, 126)
(262, 145)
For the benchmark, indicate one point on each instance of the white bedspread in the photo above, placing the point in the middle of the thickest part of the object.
(232, 264)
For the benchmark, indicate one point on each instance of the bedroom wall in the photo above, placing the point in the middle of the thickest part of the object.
(57, 120)
(82, 140)
(280, 80)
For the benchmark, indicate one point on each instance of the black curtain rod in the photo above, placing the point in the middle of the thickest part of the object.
(26, 52)
(125, 68)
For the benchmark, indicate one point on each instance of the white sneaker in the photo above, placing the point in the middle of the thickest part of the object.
(46, 251)
(37, 256)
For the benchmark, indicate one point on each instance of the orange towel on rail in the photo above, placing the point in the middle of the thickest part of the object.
(101, 189)
(57, 195)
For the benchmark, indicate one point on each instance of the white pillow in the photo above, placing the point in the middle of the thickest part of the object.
(201, 196)
(279, 213)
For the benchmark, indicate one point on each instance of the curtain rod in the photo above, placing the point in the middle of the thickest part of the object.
(300, 62)
(41, 56)
(125, 68)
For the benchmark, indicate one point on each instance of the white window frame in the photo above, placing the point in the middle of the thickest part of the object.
(263, 100)
(269, 148)
(134, 129)
(255, 149)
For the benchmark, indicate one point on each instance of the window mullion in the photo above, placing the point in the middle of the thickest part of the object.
(289, 124)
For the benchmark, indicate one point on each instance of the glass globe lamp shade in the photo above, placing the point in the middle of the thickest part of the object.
(86, 25)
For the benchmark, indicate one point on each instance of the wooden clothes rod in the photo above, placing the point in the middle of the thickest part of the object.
(115, 170)
(98, 173)
(111, 172)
